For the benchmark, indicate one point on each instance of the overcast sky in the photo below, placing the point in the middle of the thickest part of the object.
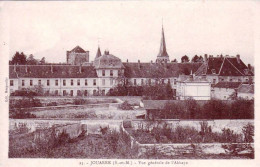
(131, 30)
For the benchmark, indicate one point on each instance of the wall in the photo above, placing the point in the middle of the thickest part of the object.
(222, 93)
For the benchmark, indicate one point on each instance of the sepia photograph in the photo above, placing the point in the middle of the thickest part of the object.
(152, 80)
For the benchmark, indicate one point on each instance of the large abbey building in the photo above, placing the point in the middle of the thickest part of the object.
(80, 77)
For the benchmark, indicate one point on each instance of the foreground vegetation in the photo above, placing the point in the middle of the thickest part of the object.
(211, 109)
(185, 134)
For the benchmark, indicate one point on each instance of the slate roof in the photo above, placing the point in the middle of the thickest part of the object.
(158, 70)
(246, 88)
(108, 61)
(224, 66)
(78, 49)
(230, 85)
(58, 71)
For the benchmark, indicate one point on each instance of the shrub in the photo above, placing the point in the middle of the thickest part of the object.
(248, 131)
(125, 106)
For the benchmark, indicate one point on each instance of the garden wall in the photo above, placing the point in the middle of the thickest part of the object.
(176, 149)
(216, 125)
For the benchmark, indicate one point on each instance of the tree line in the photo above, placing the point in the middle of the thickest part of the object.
(20, 58)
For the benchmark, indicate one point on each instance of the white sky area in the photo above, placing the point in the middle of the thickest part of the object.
(131, 30)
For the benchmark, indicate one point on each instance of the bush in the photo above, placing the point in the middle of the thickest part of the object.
(248, 131)
(125, 106)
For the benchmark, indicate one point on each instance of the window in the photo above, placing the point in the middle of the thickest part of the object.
(64, 93)
(169, 81)
(48, 82)
(71, 92)
(31, 82)
(162, 81)
(94, 92)
(149, 81)
(22, 82)
(78, 93)
(39, 82)
(111, 73)
(64, 82)
(142, 81)
(230, 80)
(94, 82)
(246, 80)
(85, 92)
(103, 72)
(175, 81)
(134, 81)
(11, 82)
(56, 82)
(78, 82)
(56, 92)
(103, 92)
(222, 79)
(71, 82)
(47, 92)
(103, 81)
(86, 82)
(111, 82)
(214, 81)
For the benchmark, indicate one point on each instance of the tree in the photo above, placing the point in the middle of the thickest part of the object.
(195, 59)
(31, 60)
(19, 59)
(185, 59)
(42, 60)
(174, 61)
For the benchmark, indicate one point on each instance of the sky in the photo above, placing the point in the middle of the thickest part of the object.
(131, 30)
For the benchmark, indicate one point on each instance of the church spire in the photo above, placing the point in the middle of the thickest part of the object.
(163, 55)
(98, 53)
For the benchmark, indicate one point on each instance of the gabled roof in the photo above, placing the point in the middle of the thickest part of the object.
(108, 61)
(78, 49)
(230, 85)
(51, 71)
(158, 70)
(224, 66)
(246, 88)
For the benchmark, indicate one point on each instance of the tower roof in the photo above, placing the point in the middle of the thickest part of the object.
(163, 52)
(78, 49)
(98, 53)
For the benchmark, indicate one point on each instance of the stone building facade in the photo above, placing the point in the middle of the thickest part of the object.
(77, 56)
(82, 78)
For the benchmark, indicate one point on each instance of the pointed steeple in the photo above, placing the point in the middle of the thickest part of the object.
(163, 55)
(98, 53)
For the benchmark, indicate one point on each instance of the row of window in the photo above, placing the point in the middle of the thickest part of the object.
(56, 82)
(79, 92)
(230, 80)
(149, 81)
(104, 73)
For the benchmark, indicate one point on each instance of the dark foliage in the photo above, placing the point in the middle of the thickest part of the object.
(212, 109)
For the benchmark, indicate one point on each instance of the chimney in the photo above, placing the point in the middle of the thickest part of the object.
(106, 52)
(249, 67)
(205, 57)
(26, 69)
(238, 58)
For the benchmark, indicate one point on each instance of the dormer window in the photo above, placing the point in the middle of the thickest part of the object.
(213, 71)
